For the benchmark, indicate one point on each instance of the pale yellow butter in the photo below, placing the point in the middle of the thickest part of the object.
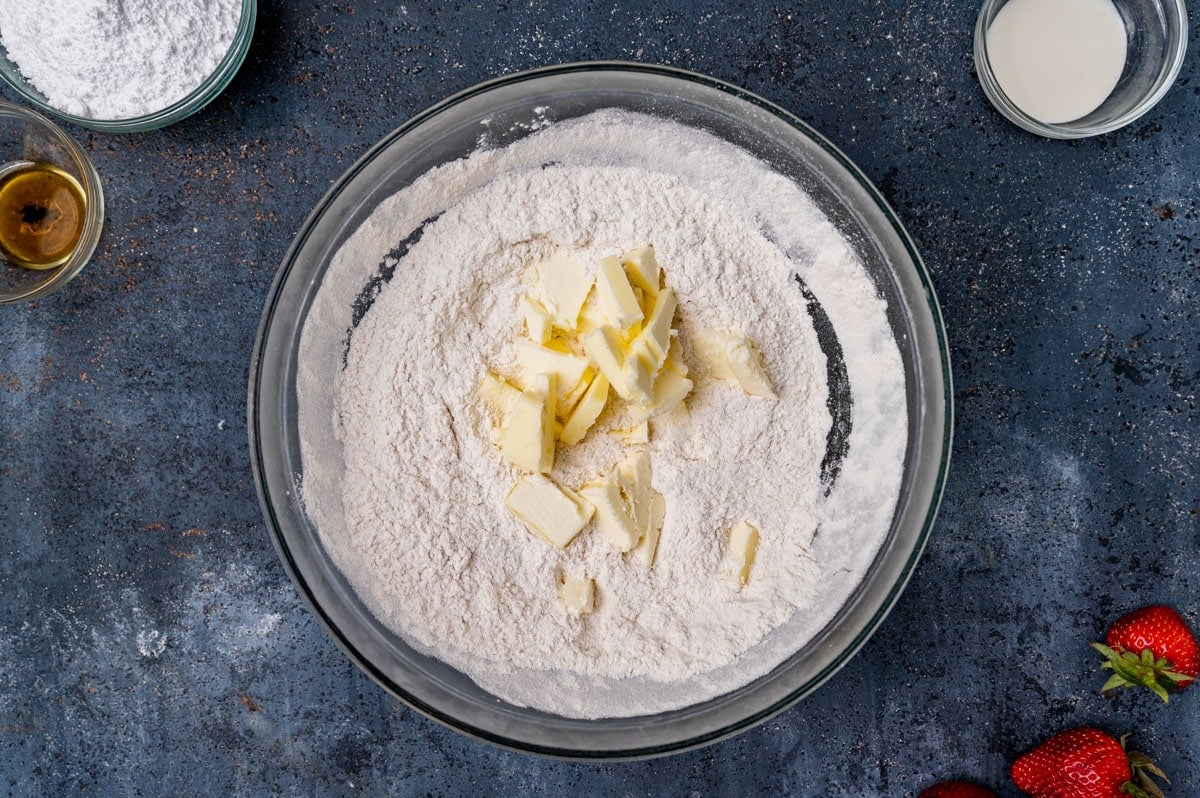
(613, 514)
(670, 389)
(537, 320)
(497, 395)
(646, 550)
(585, 413)
(615, 295)
(637, 434)
(577, 594)
(727, 356)
(603, 345)
(526, 438)
(562, 285)
(746, 365)
(656, 332)
(739, 557)
(643, 270)
(553, 513)
(639, 378)
(569, 370)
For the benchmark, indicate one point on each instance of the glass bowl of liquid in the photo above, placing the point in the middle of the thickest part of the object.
(1069, 69)
(51, 205)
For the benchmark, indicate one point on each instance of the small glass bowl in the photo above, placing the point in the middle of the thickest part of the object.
(1158, 38)
(201, 96)
(26, 136)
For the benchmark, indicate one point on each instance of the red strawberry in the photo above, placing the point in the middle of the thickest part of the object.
(956, 789)
(1085, 763)
(1153, 647)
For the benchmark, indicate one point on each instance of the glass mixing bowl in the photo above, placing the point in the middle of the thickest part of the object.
(199, 97)
(503, 111)
(1157, 33)
(28, 137)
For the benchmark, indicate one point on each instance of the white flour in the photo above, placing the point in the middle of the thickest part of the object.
(412, 511)
(116, 59)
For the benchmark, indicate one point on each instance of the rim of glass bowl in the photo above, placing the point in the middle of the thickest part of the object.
(267, 475)
(93, 222)
(1009, 110)
(197, 99)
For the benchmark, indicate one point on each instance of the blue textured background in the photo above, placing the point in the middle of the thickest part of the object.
(150, 643)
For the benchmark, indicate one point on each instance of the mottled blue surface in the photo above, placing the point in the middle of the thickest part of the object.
(150, 643)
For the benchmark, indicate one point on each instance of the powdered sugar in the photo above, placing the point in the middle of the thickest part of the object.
(412, 512)
(117, 59)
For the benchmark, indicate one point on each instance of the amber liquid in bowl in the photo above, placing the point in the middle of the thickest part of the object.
(42, 212)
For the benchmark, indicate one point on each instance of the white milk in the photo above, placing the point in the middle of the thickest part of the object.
(1057, 60)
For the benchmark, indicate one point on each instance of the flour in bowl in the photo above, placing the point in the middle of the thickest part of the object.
(117, 59)
(403, 483)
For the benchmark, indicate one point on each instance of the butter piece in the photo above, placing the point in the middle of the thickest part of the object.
(592, 316)
(586, 411)
(615, 295)
(497, 395)
(709, 347)
(553, 513)
(562, 286)
(656, 332)
(643, 270)
(537, 320)
(731, 357)
(639, 378)
(675, 359)
(613, 513)
(649, 506)
(739, 558)
(577, 594)
(637, 434)
(646, 550)
(568, 369)
(603, 345)
(670, 389)
(526, 437)
(746, 366)
(567, 404)
(634, 477)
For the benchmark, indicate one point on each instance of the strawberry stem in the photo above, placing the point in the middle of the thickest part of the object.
(1131, 670)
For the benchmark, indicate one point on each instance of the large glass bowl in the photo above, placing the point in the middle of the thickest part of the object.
(506, 110)
(196, 99)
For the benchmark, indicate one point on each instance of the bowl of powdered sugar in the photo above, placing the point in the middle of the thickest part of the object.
(123, 66)
(601, 411)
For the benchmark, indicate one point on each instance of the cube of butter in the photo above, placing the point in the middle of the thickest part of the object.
(727, 356)
(642, 268)
(616, 295)
(670, 389)
(739, 558)
(568, 369)
(553, 513)
(526, 437)
(603, 345)
(497, 395)
(585, 413)
(562, 286)
(613, 514)
(646, 550)
(537, 320)
(577, 594)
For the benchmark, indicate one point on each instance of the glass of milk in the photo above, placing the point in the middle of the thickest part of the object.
(1068, 69)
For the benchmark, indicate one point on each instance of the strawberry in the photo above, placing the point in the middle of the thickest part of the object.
(956, 789)
(1153, 647)
(1085, 763)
